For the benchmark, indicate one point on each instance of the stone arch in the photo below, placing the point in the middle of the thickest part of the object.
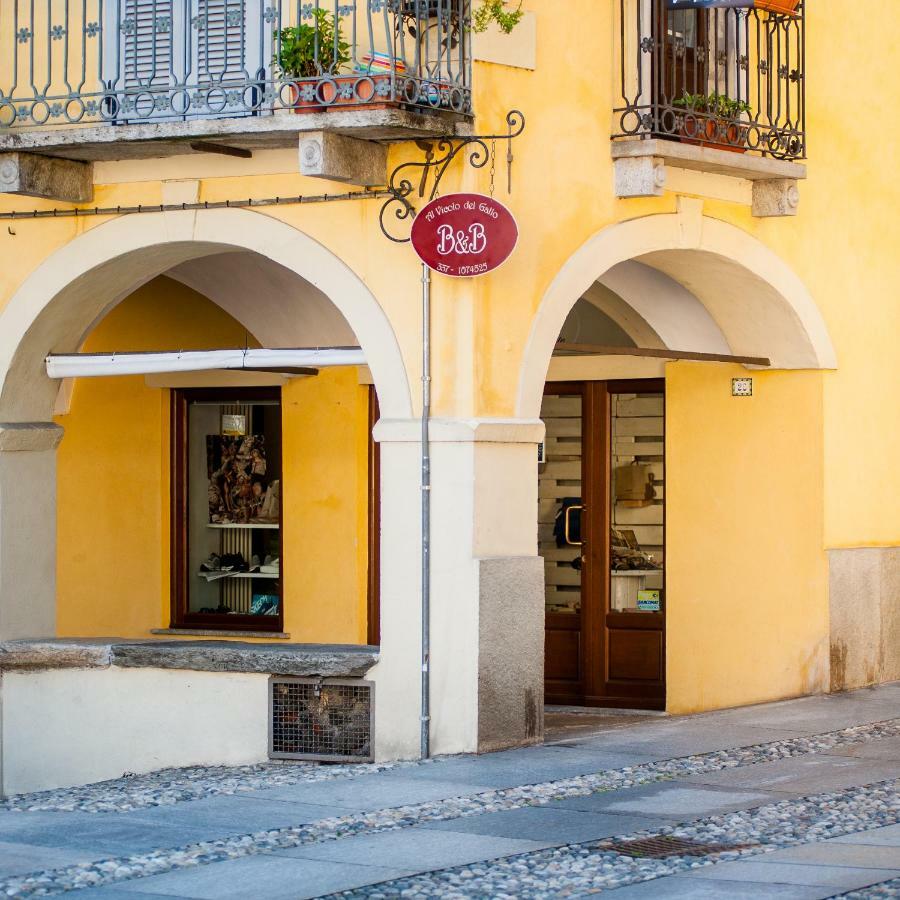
(750, 298)
(63, 298)
(72, 289)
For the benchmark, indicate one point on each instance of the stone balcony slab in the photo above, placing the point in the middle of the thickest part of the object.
(324, 660)
(105, 142)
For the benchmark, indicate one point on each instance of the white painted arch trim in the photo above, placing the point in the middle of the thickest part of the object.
(802, 338)
(115, 258)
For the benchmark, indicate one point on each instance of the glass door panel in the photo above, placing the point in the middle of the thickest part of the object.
(560, 508)
(637, 502)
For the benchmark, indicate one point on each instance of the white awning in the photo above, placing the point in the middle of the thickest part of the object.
(86, 365)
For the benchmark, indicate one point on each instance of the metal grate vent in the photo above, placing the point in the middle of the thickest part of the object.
(323, 720)
(660, 846)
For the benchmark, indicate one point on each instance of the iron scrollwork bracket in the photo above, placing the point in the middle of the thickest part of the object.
(423, 178)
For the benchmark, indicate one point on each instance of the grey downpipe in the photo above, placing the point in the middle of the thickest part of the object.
(426, 513)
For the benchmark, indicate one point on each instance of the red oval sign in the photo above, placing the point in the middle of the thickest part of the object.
(464, 235)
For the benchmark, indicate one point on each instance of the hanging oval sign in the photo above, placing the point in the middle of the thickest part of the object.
(464, 234)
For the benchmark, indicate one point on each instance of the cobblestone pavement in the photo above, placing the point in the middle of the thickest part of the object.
(797, 799)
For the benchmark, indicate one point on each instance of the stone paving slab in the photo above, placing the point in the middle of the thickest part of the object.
(810, 715)
(114, 892)
(366, 793)
(681, 738)
(270, 877)
(766, 871)
(504, 770)
(416, 849)
(19, 858)
(676, 887)
(218, 817)
(801, 775)
(667, 801)
(541, 823)
(889, 836)
(103, 836)
(840, 854)
(888, 749)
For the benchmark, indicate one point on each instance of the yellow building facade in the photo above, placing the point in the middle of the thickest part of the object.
(761, 562)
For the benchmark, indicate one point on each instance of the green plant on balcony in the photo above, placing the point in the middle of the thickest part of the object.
(495, 11)
(718, 105)
(717, 120)
(308, 51)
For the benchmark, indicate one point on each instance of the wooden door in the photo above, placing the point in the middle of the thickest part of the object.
(682, 55)
(602, 536)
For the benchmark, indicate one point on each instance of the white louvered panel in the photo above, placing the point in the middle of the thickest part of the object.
(220, 31)
(148, 31)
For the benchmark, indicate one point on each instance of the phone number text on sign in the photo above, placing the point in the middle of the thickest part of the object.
(464, 234)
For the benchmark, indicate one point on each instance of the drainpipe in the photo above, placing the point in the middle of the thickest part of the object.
(426, 512)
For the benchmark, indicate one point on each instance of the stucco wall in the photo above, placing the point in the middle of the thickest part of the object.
(746, 611)
(113, 475)
(72, 726)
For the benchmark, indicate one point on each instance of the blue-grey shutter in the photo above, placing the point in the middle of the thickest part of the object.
(226, 55)
(147, 38)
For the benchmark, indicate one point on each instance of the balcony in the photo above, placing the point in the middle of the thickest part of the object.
(113, 79)
(716, 90)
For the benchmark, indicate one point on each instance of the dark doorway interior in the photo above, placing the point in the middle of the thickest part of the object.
(602, 536)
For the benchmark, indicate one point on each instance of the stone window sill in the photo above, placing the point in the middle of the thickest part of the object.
(223, 633)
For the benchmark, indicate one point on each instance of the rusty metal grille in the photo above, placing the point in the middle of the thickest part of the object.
(324, 720)
(660, 846)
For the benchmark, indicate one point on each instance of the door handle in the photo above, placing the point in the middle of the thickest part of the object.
(568, 526)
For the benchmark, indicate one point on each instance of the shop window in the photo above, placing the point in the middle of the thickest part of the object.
(227, 510)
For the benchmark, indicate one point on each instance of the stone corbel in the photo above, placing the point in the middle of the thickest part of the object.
(642, 176)
(32, 175)
(335, 157)
(642, 169)
(776, 197)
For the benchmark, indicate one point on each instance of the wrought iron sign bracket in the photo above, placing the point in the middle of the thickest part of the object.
(423, 178)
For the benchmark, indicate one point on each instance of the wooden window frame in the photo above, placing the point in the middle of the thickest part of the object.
(373, 580)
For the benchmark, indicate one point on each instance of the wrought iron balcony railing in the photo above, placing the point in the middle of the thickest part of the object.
(67, 62)
(727, 78)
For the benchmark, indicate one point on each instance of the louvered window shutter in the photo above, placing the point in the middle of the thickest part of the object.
(184, 58)
(147, 40)
(221, 38)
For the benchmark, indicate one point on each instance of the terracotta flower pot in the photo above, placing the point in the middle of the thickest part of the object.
(338, 91)
(301, 104)
(352, 90)
(788, 7)
(709, 133)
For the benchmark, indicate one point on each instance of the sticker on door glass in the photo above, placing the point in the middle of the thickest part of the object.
(648, 601)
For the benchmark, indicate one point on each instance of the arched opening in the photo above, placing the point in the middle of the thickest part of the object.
(223, 279)
(669, 359)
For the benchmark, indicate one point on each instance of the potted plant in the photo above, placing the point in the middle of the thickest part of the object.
(297, 61)
(713, 119)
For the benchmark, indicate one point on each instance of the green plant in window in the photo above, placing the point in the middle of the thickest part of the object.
(495, 11)
(718, 105)
(308, 51)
